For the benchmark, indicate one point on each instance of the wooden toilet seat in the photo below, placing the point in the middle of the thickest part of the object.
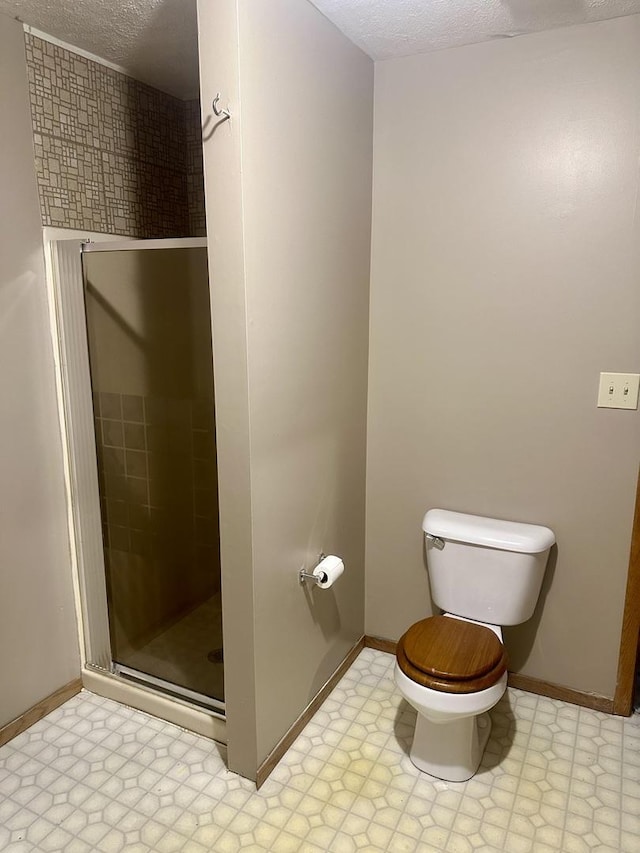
(452, 656)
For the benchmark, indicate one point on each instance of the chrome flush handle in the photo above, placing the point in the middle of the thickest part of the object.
(436, 541)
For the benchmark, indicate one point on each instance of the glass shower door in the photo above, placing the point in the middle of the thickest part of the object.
(149, 336)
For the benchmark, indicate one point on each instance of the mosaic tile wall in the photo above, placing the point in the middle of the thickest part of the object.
(195, 170)
(157, 471)
(112, 154)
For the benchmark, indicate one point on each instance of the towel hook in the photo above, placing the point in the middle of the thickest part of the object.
(218, 110)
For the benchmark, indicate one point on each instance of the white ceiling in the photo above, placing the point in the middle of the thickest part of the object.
(388, 28)
(156, 40)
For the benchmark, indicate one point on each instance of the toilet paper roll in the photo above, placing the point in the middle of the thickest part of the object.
(328, 571)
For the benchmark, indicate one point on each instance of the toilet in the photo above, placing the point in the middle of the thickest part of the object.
(452, 668)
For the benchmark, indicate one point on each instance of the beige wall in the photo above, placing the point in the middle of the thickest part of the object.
(307, 148)
(219, 72)
(289, 239)
(38, 642)
(505, 277)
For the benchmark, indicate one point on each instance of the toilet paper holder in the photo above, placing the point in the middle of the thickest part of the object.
(309, 576)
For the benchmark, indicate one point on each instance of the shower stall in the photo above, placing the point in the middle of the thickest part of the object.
(133, 321)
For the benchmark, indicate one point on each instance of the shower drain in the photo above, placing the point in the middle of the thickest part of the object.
(215, 656)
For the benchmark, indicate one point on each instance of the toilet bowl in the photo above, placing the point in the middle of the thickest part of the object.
(452, 725)
(452, 668)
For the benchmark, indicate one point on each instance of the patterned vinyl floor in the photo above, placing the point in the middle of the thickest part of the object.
(96, 776)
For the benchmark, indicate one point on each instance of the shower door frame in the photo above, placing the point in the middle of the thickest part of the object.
(69, 330)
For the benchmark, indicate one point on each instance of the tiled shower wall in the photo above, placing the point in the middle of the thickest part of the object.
(149, 339)
(195, 169)
(157, 471)
(112, 154)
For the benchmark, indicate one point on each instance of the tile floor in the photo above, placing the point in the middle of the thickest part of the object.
(95, 776)
(180, 654)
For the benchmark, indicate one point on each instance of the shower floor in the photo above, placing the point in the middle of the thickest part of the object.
(189, 653)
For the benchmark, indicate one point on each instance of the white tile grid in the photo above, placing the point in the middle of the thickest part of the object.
(96, 776)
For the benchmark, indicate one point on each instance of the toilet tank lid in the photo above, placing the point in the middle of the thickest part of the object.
(490, 532)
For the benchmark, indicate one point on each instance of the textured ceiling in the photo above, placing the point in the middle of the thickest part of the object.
(156, 40)
(388, 28)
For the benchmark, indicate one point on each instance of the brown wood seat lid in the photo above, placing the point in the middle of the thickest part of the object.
(452, 650)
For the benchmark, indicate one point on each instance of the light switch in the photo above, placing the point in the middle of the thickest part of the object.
(618, 390)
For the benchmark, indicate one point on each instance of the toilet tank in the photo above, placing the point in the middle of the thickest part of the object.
(484, 568)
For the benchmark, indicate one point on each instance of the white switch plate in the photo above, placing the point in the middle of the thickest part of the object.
(618, 390)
